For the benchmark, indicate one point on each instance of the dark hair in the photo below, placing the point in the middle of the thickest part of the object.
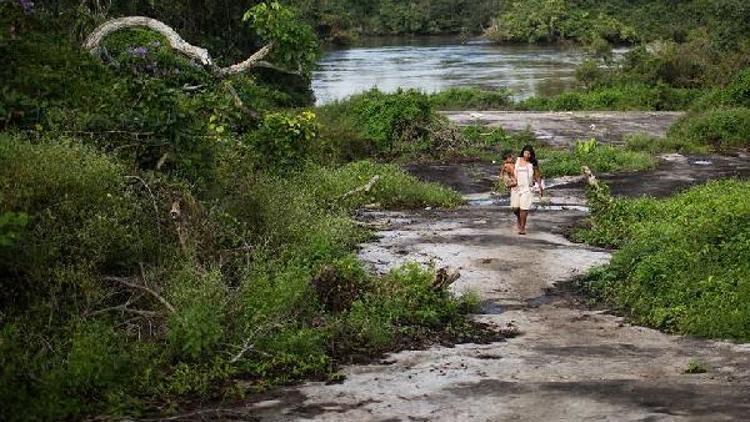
(507, 153)
(529, 148)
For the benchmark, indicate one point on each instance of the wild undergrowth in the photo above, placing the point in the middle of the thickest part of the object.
(110, 305)
(489, 143)
(682, 262)
(168, 236)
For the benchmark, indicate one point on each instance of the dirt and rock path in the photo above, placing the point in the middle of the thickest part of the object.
(568, 363)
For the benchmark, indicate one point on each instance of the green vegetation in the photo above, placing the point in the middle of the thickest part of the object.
(549, 21)
(168, 235)
(629, 97)
(342, 21)
(617, 21)
(470, 99)
(490, 143)
(696, 366)
(683, 263)
(403, 126)
(722, 129)
(398, 126)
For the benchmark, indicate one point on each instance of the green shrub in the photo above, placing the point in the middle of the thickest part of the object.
(683, 262)
(283, 139)
(200, 299)
(400, 305)
(645, 143)
(394, 189)
(599, 158)
(549, 21)
(628, 97)
(735, 94)
(470, 99)
(720, 128)
(392, 119)
(11, 227)
(80, 221)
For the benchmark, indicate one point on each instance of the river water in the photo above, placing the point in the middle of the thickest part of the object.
(433, 64)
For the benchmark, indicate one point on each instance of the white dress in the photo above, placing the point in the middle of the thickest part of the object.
(522, 195)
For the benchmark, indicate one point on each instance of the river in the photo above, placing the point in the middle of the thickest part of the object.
(435, 63)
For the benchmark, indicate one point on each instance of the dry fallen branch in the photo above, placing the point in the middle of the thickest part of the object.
(601, 192)
(124, 308)
(444, 278)
(175, 40)
(207, 414)
(130, 283)
(246, 346)
(180, 224)
(364, 188)
(590, 178)
(200, 54)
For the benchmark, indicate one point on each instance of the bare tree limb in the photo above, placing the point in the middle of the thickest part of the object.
(246, 346)
(590, 178)
(247, 64)
(175, 40)
(131, 284)
(364, 188)
(180, 224)
(124, 308)
(444, 278)
(272, 66)
(205, 414)
(200, 54)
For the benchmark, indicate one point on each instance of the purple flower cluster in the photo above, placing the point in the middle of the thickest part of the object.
(26, 5)
(138, 51)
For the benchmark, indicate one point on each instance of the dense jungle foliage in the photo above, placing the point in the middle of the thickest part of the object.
(342, 21)
(167, 235)
(682, 263)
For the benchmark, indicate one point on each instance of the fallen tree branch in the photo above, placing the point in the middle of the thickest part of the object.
(364, 188)
(246, 346)
(272, 66)
(200, 54)
(598, 196)
(590, 178)
(444, 278)
(124, 308)
(128, 282)
(175, 40)
(180, 224)
(205, 414)
(247, 64)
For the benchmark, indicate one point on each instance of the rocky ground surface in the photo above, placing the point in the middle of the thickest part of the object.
(569, 362)
(565, 127)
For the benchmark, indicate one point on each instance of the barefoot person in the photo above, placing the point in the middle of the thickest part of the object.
(526, 172)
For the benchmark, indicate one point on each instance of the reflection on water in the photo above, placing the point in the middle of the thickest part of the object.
(434, 64)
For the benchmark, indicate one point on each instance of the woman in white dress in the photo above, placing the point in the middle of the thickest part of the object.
(522, 195)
